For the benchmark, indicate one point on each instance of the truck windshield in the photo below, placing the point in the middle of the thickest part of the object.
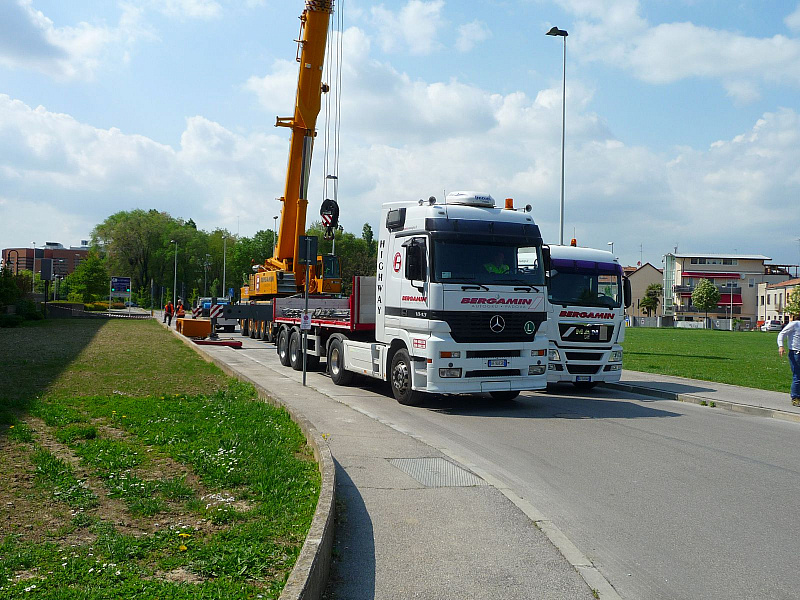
(599, 285)
(485, 263)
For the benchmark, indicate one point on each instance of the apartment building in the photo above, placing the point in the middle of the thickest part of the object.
(641, 277)
(736, 276)
(65, 260)
(772, 300)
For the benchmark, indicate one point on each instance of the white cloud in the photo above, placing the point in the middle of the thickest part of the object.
(793, 20)
(669, 52)
(414, 28)
(30, 40)
(189, 9)
(471, 34)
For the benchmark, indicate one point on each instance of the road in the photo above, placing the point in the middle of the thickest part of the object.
(669, 500)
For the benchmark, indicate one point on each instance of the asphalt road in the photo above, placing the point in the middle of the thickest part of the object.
(669, 500)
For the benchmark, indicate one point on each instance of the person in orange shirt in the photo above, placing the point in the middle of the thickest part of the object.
(180, 313)
(168, 311)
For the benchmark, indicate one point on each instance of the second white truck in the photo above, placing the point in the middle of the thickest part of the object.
(587, 297)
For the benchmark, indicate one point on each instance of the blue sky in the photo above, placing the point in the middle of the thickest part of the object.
(683, 117)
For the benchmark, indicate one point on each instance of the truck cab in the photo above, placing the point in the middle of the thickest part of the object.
(586, 301)
(461, 298)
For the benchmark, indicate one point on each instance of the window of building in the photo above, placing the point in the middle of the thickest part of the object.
(730, 261)
(751, 282)
(768, 297)
(761, 298)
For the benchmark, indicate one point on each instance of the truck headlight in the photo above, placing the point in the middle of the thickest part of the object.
(616, 356)
(449, 372)
(536, 369)
(554, 355)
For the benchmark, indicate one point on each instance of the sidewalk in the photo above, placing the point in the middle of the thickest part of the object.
(411, 522)
(751, 401)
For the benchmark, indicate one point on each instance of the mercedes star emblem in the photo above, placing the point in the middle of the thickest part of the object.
(497, 324)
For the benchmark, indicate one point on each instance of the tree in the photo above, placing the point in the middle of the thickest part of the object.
(793, 302)
(705, 296)
(90, 280)
(652, 297)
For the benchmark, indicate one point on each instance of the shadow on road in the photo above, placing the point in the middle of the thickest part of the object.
(352, 575)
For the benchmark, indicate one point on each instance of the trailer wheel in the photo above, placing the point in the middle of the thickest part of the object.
(296, 351)
(336, 363)
(244, 327)
(504, 396)
(400, 378)
(253, 325)
(283, 346)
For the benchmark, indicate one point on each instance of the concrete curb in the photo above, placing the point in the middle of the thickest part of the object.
(309, 576)
(757, 411)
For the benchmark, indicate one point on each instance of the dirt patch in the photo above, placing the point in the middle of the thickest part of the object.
(179, 575)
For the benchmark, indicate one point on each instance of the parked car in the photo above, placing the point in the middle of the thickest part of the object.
(131, 304)
(772, 326)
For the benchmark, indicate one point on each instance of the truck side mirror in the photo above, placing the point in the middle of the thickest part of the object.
(416, 267)
(626, 292)
(546, 263)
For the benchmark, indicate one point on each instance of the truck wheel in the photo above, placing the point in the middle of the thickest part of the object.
(585, 385)
(252, 328)
(244, 329)
(400, 378)
(283, 347)
(336, 363)
(296, 351)
(504, 396)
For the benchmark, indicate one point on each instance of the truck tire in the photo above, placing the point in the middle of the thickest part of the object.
(336, 363)
(296, 350)
(283, 346)
(507, 396)
(253, 328)
(244, 327)
(400, 379)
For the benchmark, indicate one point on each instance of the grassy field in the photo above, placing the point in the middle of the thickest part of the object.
(747, 358)
(132, 468)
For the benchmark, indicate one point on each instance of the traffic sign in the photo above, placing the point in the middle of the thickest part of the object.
(216, 311)
(121, 285)
(305, 322)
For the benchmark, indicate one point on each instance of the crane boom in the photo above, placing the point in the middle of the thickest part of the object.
(311, 56)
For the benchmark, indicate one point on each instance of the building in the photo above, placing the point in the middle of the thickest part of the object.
(736, 276)
(65, 260)
(772, 300)
(640, 278)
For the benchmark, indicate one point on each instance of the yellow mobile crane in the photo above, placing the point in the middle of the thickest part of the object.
(283, 274)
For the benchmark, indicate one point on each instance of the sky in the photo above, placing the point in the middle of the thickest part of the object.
(682, 116)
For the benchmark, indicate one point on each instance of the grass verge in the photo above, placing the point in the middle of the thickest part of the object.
(744, 358)
(138, 470)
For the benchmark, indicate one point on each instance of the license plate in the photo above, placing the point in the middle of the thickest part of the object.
(583, 378)
(498, 362)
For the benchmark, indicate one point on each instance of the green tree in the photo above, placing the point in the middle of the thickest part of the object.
(10, 292)
(793, 302)
(705, 296)
(90, 280)
(652, 297)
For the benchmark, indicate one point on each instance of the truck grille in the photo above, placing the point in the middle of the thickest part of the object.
(583, 369)
(584, 356)
(493, 353)
(493, 373)
(474, 326)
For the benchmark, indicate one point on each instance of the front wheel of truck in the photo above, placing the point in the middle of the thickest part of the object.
(400, 378)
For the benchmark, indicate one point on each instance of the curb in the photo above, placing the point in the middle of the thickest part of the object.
(309, 576)
(747, 409)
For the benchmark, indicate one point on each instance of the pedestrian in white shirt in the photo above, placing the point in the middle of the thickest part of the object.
(792, 332)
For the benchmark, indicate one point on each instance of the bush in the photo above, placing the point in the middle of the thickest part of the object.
(11, 320)
(27, 310)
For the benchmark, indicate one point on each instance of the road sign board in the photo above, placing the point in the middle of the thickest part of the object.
(216, 311)
(121, 285)
(197, 311)
(305, 322)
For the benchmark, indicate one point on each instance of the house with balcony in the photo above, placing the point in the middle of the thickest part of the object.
(736, 276)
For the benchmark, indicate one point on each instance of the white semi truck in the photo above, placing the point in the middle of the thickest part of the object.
(457, 306)
(587, 297)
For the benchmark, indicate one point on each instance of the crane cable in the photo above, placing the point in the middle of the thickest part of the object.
(333, 75)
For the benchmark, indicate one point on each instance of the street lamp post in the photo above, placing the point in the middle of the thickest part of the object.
(175, 280)
(206, 265)
(33, 270)
(555, 31)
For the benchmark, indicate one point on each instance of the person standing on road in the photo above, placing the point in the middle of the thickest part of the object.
(792, 331)
(179, 312)
(168, 310)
